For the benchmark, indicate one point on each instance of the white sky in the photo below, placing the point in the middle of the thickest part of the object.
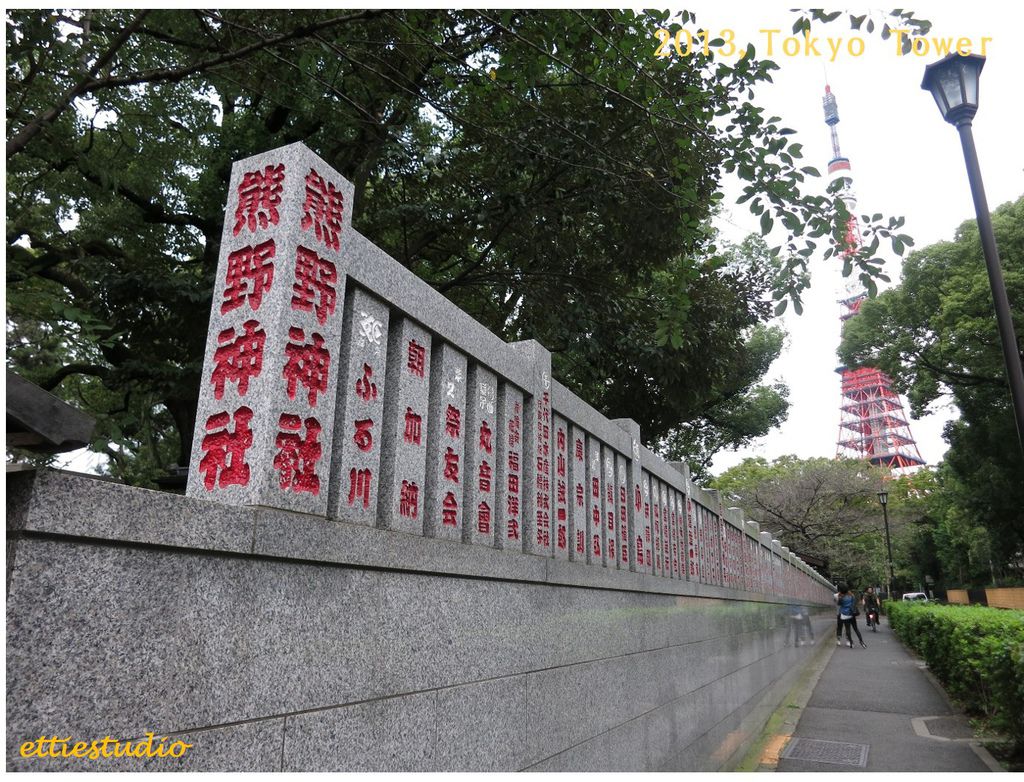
(905, 161)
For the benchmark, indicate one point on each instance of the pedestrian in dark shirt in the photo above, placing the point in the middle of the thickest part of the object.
(846, 603)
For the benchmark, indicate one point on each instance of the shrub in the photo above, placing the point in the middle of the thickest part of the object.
(977, 653)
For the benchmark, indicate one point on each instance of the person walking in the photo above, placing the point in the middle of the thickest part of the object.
(846, 602)
(871, 606)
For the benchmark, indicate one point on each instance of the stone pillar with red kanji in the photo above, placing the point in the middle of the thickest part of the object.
(578, 519)
(560, 488)
(443, 511)
(622, 511)
(634, 526)
(656, 550)
(648, 526)
(692, 542)
(265, 422)
(610, 528)
(509, 459)
(595, 503)
(480, 516)
(678, 535)
(666, 533)
(537, 466)
(359, 423)
(403, 459)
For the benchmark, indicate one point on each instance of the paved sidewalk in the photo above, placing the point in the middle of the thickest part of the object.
(876, 709)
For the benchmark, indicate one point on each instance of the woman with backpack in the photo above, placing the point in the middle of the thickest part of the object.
(846, 602)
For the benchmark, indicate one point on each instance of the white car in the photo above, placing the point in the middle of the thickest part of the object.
(916, 597)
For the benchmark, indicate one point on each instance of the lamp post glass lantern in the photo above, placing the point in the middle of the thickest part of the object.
(883, 498)
(953, 83)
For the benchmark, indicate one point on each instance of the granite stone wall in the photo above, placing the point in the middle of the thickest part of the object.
(338, 384)
(405, 545)
(275, 640)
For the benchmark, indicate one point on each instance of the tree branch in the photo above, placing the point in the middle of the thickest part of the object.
(94, 370)
(40, 121)
(177, 74)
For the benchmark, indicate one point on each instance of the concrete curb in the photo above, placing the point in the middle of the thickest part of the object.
(920, 724)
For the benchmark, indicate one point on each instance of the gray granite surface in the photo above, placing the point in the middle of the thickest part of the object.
(481, 452)
(444, 500)
(509, 498)
(360, 407)
(561, 542)
(578, 490)
(320, 632)
(264, 431)
(404, 435)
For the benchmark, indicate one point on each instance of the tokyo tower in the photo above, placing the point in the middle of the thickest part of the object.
(872, 425)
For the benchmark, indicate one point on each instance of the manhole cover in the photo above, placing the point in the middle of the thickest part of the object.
(838, 752)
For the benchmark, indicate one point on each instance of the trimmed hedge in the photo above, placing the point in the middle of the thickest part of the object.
(976, 652)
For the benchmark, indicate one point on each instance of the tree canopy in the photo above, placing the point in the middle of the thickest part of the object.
(513, 159)
(825, 508)
(935, 334)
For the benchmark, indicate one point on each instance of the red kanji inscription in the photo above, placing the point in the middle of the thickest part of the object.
(413, 426)
(307, 364)
(451, 465)
(366, 389)
(417, 358)
(225, 451)
(363, 437)
(238, 358)
(409, 500)
(297, 456)
(483, 518)
(359, 486)
(315, 280)
(485, 476)
(323, 209)
(250, 274)
(453, 421)
(514, 429)
(449, 509)
(485, 437)
(259, 195)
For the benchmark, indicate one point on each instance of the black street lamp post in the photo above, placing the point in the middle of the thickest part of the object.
(883, 497)
(953, 82)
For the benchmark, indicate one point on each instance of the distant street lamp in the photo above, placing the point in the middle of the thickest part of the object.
(883, 497)
(953, 82)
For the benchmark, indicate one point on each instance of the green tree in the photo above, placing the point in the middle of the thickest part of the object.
(935, 334)
(513, 159)
(825, 508)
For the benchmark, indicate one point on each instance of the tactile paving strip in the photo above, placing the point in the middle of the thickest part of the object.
(817, 751)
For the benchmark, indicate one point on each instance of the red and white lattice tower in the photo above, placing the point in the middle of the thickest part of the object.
(872, 425)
